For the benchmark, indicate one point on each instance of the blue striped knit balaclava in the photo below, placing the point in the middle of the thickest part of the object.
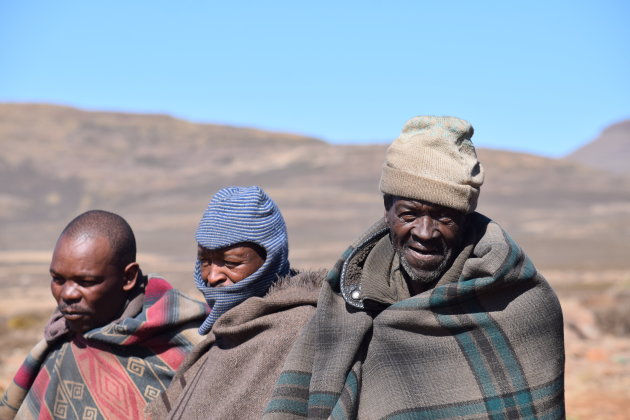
(236, 215)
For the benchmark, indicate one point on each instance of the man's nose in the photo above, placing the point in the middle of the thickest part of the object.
(70, 292)
(424, 229)
(216, 275)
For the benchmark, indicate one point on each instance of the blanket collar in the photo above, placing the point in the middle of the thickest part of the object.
(371, 273)
(57, 327)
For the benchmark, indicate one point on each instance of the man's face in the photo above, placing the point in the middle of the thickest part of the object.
(89, 286)
(227, 266)
(426, 236)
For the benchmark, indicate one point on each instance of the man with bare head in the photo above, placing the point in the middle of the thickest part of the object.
(434, 312)
(94, 270)
(117, 336)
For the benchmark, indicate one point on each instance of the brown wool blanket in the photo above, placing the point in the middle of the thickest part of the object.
(485, 342)
(230, 375)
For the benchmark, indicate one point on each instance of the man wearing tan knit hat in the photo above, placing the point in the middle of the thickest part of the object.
(434, 312)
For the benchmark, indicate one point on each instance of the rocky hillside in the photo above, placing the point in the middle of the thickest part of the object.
(159, 172)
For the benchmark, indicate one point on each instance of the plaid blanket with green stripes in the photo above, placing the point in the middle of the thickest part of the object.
(486, 344)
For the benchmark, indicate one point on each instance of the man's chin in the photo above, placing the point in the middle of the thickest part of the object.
(78, 325)
(426, 274)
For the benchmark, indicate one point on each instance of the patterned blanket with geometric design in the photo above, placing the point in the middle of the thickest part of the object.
(110, 372)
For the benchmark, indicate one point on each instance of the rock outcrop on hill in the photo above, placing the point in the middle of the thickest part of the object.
(609, 151)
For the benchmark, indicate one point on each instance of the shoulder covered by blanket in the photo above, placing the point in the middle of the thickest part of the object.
(111, 371)
(489, 342)
(232, 372)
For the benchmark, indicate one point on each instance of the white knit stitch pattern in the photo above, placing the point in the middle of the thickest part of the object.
(236, 215)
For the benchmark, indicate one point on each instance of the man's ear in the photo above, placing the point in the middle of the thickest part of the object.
(130, 276)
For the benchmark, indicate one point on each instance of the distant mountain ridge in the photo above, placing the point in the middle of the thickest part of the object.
(159, 173)
(609, 151)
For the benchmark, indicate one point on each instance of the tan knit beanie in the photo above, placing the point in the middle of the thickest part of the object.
(434, 160)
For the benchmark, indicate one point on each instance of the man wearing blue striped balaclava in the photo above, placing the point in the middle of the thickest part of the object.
(239, 216)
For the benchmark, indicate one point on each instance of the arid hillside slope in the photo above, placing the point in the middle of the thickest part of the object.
(159, 172)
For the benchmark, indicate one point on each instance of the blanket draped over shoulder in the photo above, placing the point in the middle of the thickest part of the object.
(110, 372)
(485, 342)
(230, 375)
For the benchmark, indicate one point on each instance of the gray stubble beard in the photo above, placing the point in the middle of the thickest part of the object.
(426, 280)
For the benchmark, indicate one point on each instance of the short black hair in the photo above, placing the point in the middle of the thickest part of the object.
(109, 225)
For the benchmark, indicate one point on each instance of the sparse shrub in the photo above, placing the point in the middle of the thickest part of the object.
(24, 321)
(615, 319)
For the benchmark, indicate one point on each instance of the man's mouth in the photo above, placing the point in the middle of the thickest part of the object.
(73, 314)
(424, 253)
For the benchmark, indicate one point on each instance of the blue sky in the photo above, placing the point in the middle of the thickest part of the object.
(540, 77)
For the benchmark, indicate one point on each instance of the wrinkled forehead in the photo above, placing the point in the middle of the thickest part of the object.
(394, 199)
(398, 205)
(236, 249)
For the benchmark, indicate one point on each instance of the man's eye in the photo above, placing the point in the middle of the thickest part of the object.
(57, 280)
(407, 217)
(232, 264)
(88, 282)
